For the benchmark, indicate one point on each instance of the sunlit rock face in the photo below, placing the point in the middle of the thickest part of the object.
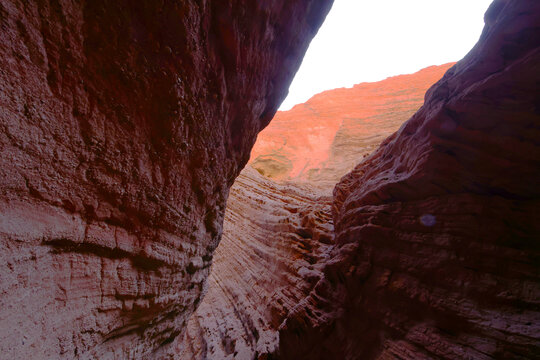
(275, 237)
(437, 251)
(323, 139)
(122, 126)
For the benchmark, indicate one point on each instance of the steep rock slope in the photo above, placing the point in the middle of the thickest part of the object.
(275, 238)
(323, 139)
(122, 126)
(437, 233)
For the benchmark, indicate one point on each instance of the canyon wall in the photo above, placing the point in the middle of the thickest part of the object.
(437, 232)
(275, 239)
(122, 126)
(323, 139)
(277, 232)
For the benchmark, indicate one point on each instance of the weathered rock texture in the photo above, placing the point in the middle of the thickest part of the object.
(437, 249)
(323, 139)
(277, 234)
(122, 126)
(274, 238)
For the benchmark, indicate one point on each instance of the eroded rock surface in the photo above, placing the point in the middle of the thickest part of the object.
(277, 233)
(323, 139)
(275, 239)
(122, 126)
(437, 233)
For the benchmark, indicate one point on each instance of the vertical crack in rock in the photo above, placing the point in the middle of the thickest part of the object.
(122, 126)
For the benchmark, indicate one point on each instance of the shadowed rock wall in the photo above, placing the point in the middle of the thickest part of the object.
(277, 234)
(437, 233)
(122, 126)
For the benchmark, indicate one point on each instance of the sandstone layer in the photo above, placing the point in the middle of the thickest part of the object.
(437, 232)
(275, 238)
(277, 234)
(122, 126)
(323, 139)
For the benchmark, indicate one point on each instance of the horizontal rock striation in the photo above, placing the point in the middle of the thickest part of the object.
(437, 252)
(275, 238)
(277, 235)
(122, 126)
(323, 139)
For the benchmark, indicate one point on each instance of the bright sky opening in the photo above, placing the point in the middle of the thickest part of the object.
(370, 40)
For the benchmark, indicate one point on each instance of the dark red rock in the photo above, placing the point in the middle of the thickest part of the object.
(437, 233)
(122, 126)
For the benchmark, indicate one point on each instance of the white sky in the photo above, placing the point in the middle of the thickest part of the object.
(370, 40)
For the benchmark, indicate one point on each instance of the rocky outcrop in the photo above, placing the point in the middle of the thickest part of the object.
(275, 237)
(437, 252)
(323, 139)
(122, 126)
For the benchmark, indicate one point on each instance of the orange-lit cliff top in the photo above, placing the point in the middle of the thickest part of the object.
(322, 139)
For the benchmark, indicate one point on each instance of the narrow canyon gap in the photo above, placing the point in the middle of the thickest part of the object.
(278, 228)
(122, 126)
(435, 250)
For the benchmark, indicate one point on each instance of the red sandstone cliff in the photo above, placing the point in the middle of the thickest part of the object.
(122, 126)
(431, 260)
(120, 139)
(323, 139)
(437, 233)
(277, 235)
